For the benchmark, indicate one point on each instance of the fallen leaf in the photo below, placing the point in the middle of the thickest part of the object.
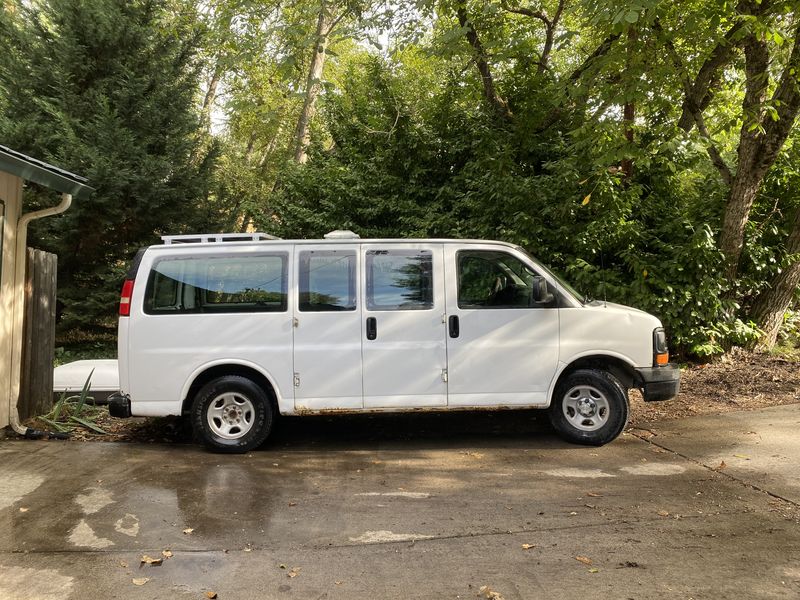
(586, 199)
(140, 580)
(292, 503)
(663, 513)
(123, 564)
(338, 582)
(281, 566)
(23, 509)
(248, 549)
(594, 495)
(211, 595)
(188, 530)
(584, 559)
(149, 560)
(721, 466)
(528, 546)
(490, 593)
(572, 514)
(594, 570)
(742, 456)
(294, 572)
(166, 553)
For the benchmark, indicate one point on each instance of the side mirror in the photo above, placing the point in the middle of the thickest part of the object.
(541, 296)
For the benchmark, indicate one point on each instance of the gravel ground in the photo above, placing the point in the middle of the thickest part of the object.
(739, 381)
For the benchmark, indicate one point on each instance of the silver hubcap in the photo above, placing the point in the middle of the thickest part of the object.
(585, 407)
(230, 415)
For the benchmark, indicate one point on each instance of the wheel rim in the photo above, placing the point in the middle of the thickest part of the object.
(586, 408)
(230, 415)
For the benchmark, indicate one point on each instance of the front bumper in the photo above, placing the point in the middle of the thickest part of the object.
(119, 405)
(659, 383)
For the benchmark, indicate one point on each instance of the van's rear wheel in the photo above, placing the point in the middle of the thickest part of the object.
(232, 414)
(589, 407)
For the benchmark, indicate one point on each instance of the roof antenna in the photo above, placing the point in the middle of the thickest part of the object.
(603, 277)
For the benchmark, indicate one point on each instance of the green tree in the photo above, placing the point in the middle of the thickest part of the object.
(107, 89)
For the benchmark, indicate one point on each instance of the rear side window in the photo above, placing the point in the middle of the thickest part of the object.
(399, 279)
(327, 280)
(216, 284)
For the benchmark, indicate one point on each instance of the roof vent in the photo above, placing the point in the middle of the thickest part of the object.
(342, 234)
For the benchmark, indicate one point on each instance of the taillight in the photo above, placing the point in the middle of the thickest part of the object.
(660, 351)
(125, 298)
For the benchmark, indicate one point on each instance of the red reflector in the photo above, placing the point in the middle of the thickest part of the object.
(125, 298)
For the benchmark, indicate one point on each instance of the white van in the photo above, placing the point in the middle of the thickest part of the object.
(233, 329)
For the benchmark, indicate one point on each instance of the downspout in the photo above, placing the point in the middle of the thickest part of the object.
(18, 309)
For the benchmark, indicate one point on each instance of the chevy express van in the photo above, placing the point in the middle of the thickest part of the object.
(232, 330)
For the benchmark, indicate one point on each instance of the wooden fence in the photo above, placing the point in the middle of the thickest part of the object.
(36, 390)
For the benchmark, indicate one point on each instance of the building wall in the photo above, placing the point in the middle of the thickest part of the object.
(10, 208)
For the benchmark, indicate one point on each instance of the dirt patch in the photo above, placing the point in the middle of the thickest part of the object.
(738, 381)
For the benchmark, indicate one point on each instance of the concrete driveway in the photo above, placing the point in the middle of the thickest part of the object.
(436, 506)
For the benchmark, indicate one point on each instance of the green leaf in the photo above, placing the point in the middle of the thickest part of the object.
(88, 424)
(57, 426)
(84, 394)
(631, 16)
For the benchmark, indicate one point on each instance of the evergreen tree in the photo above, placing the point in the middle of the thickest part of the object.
(106, 89)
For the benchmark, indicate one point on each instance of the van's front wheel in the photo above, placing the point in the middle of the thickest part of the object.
(232, 414)
(589, 407)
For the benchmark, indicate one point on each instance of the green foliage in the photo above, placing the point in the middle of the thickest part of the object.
(72, 411)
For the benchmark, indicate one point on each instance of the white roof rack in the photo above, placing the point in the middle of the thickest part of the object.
(342, 234)
(206, 238)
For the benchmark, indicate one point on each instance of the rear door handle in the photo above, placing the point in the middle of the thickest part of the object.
(372, 328)
(453, 326)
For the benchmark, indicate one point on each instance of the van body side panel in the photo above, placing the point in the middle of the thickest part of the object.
(405, 364)
(166, 350)
(123, 354)
(501, 356)
(607, 329)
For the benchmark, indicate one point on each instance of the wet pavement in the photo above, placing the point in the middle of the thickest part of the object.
(425, 506)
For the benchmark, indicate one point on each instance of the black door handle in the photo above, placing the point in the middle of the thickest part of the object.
(453, 326)
(372, 328)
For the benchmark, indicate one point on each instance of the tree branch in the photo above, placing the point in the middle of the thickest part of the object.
(576, 75)
(549, 28)
(713, 152)
(697, 116)
(700, 92)
(490, 94)
(785, 99)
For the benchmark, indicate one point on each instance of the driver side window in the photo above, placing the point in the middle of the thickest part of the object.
(492, 279)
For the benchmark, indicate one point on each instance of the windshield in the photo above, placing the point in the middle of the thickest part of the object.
(564, 285)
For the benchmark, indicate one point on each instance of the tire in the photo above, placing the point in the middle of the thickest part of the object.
(232, 414)
(589, 407)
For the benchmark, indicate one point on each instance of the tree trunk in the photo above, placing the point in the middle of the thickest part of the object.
(771, 304)
(752, 162)
(302, 134)
(629, 108)
(211, 95)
